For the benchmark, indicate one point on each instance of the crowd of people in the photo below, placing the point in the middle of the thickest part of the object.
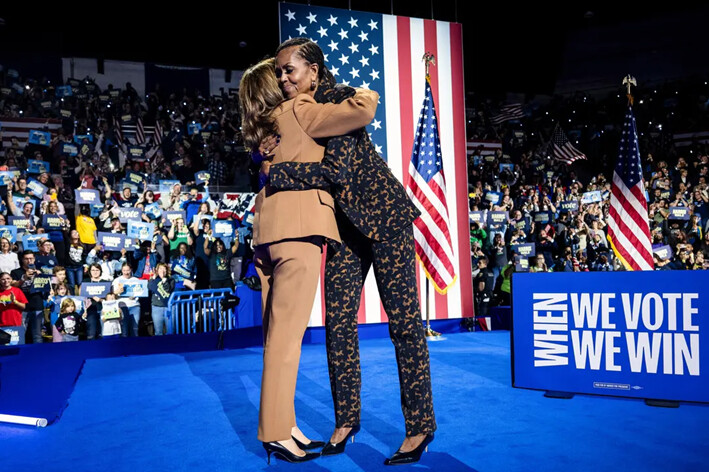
(94, 236)
(194, 144)
(532, 212)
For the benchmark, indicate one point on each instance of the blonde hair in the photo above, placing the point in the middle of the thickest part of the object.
(66, 302)
(259, 95)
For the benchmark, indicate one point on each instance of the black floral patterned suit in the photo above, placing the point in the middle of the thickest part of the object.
(374, 217)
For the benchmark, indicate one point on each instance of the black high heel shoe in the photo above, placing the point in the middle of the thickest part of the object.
(331, 449)
(310, 445)
(411, 456)
(282, 452)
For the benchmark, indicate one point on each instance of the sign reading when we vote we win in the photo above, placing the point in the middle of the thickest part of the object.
(633, 334)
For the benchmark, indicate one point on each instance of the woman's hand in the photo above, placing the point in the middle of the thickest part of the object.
(267, 147)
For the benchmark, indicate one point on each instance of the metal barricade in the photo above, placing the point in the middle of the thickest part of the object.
(199, 311)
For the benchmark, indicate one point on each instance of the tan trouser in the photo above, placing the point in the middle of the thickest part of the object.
(289, 272)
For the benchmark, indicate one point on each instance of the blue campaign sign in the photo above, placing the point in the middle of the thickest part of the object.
(36, 166)
(197, 217)
(111, 241)
(497, 217)
(95, 289)
(53, 222)
(63, 91)
(476, 216)
(631, 334)
(9, 233)
(569, 205)
(129, 213)
(223, 228)
(6, 177)
(201, 177)
(20, 222)
(87, 196)
(153, 211)
(524, 249)
(140, 230)
(36, 188)
(166, 186)
(493, 197)
(41, 138)
(591, 197)
(194, 128)
(679, 213)
(79, 138)
(29, 241)
(70, 149)
(135, 288)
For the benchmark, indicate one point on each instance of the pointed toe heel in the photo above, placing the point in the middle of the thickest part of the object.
(331, 449)
(279, 451)
(412, 456)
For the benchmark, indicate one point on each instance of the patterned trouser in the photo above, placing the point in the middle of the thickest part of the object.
(395, 271)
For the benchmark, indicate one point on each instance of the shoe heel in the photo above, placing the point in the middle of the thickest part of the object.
(268, 457)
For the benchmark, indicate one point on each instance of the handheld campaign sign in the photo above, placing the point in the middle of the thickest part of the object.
(569, 205)
(35, 166)
(9, 233)
(70, 149)
(140, 230)
(30, 241)
(663, 252)
(521, 264)
(591, 197)
(41, 283)
(6, 177)
(476, 216)
(632, 334)
(153, 211)
(63, 91)
(20, 222)
(197, 217)
(129, 213)
(493, 197)
(135, 288)
(87, 196)
(171, 216)
(53, 222)
(223, 228)
(524, 249)
(95, 289)
(679, 213)
(201, 177)
(194, 128)
(65, 113)
(79, 138)
(510, 167)
(497, 217)
(136, 153)
(542, 217)
(166, 186)
(41, 138)
(20, 202)
(36, 188)
(136, 178)
(111, 241)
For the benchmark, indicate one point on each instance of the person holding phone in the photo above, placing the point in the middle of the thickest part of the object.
(33, 315)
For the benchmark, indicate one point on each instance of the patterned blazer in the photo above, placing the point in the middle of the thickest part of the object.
(361, 183)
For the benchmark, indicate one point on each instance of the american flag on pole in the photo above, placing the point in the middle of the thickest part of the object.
(427, 189)
(508, 112)
(628, 227)
(561, 148)
(383, 53)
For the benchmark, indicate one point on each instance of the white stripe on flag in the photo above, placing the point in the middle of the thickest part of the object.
(444, 107)
(372, 303)
(421, 239)
(393, 102)
(316, 314)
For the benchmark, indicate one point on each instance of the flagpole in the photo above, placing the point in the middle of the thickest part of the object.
(429, 332)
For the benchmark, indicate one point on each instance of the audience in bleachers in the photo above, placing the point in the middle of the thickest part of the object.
(172, 189)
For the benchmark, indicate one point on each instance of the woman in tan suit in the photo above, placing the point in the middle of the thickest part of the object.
(290, 228)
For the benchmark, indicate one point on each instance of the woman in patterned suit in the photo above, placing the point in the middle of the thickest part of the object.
(290, 228)
(374, 217)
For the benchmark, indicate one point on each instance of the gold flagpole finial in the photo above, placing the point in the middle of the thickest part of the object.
(428, 59)
(629, 80)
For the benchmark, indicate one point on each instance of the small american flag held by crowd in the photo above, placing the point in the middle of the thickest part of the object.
(383, 53)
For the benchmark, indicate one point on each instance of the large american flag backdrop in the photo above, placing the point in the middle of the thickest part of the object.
(384, 53)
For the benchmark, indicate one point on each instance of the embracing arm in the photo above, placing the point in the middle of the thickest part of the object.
(322, 120)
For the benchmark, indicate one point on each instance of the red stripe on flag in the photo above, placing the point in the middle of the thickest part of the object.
(435, 245)
(431, 44)
(465, 276)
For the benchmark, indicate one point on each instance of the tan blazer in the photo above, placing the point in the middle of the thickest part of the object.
(288, 214)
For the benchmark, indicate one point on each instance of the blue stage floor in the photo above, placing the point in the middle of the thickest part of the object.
(198, 412)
